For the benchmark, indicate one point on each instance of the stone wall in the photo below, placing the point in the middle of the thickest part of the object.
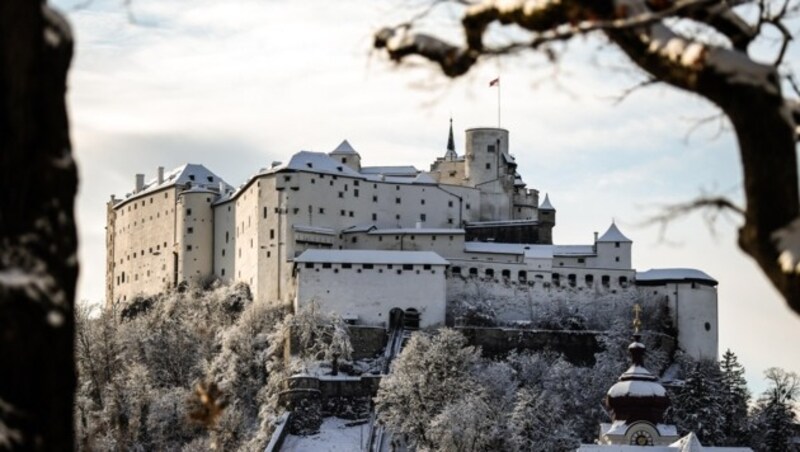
(578, 347)
(367, 341)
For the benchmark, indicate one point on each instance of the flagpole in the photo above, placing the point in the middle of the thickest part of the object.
(498, 101)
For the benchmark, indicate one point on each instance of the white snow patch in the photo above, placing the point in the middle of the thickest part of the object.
(788, 242)
(637, 389)
(334, 436)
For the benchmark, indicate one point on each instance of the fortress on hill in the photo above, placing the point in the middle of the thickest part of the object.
(364, 240)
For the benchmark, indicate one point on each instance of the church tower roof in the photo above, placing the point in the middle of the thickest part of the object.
(637, 395)
(451, 145)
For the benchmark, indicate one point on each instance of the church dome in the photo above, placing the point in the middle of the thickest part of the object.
(637, 395)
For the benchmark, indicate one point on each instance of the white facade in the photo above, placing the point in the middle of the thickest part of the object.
(364, 286)
(189, 224)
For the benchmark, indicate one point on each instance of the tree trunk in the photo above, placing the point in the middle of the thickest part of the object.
(38, 262)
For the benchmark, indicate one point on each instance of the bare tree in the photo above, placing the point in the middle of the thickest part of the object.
(721, 70)
(38, 262)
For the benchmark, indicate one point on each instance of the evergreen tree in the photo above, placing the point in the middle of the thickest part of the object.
(774, 417)
(538, 422)
(734, 401)
(697, 406)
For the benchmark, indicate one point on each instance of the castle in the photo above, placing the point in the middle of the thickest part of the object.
(363, 240)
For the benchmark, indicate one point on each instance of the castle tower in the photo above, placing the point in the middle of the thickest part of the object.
(485, 151)
(614, 249)
(345, 154)
(547, 220)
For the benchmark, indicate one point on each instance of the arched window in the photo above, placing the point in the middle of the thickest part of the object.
(571, 279)
(623, 281)
(473, 271)
(522, 275)
(490, 273)
(605, 280)
(589, 279)
(556, 279)
(506, 274)
(455, 270)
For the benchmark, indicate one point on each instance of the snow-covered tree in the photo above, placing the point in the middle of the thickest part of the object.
(431, 373)
(697, 405)
(774, 418)
(735, 399)
(538, 422)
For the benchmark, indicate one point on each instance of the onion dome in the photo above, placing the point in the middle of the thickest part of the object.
(637, 396)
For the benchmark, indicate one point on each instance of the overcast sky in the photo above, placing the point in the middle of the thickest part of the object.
(237, 84)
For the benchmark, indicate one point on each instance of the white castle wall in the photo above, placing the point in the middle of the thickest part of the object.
(369, 294)
(195, 229)
(695, 308)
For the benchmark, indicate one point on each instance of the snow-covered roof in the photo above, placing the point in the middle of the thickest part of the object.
(197, 176)
(407, 171)
(315, 162)
(420, 231)
(344, 148)
(529, 251)
(424, 178)
(334, 435)
(546, 205)
(371, 257)
(313, 229)
(480, 224)
(662, 275)
(637, 388)
(573, 250)
(613, 234)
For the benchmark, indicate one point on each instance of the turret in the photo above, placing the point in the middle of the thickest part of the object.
(547, 220)
(487, 155)
(345, 154)
(614, 249)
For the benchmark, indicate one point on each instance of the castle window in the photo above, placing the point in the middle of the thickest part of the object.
(449, 203)
(355, 183)
(374, 217)
(616, 244)
(456, 270)
(571, 279)
(397, 200)
(367, 266)
(408, 267)
(134, 254)
(616, 259)
(345, 187)
(350, 213)
(506, 274)
(422, 201)
(227, 236)
(422, 217)
(355, 240)
(397, 187)
(223, 251)
(331, 183)
(166, 195)
(488, 166)
(467, 206)
(322, 210)
(341, 194)
(269, 253)
(326, 265)
(589, 279)
(449, 221)
(412, 237)
(342, 212)
(556, 279)
(344, 159)
(426, 267)
(581, 260)
(522, 276)
(708, 326)
(222, 272)
(623, 281)
(296, 210)
(309, 265)
(355, 192)
(151, 200)
(374, 185)
(605, 280)
(397, 216)
(287, 178)
(347, 265)
(313, 181)
(188, 248)
(374, 198)
(191, 177)
(188, 212)
(265, 212)
(491, 148)
(490, 273)
(452, 174)
(272, 233)
(189, 230)
(380, 238)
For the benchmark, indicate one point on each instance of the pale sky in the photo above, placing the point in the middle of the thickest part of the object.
(237, 84)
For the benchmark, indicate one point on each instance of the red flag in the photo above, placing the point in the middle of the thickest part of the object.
(495, 82)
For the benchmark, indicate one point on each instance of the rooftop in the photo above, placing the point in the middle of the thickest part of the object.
(371, 257)
(661, 275)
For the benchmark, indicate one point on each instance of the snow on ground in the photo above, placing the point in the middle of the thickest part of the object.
(333, 436)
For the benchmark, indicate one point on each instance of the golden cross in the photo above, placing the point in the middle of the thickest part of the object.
(637, 322)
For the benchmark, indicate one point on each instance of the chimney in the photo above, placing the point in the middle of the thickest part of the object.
(595, 236)
(221, 188)
(160, 173)
(139, 183)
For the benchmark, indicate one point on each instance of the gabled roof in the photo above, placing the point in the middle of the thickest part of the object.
(662, 275)
(315, 162)
(613, 234)
(198, 177)
(344, 148)
(371, 257)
